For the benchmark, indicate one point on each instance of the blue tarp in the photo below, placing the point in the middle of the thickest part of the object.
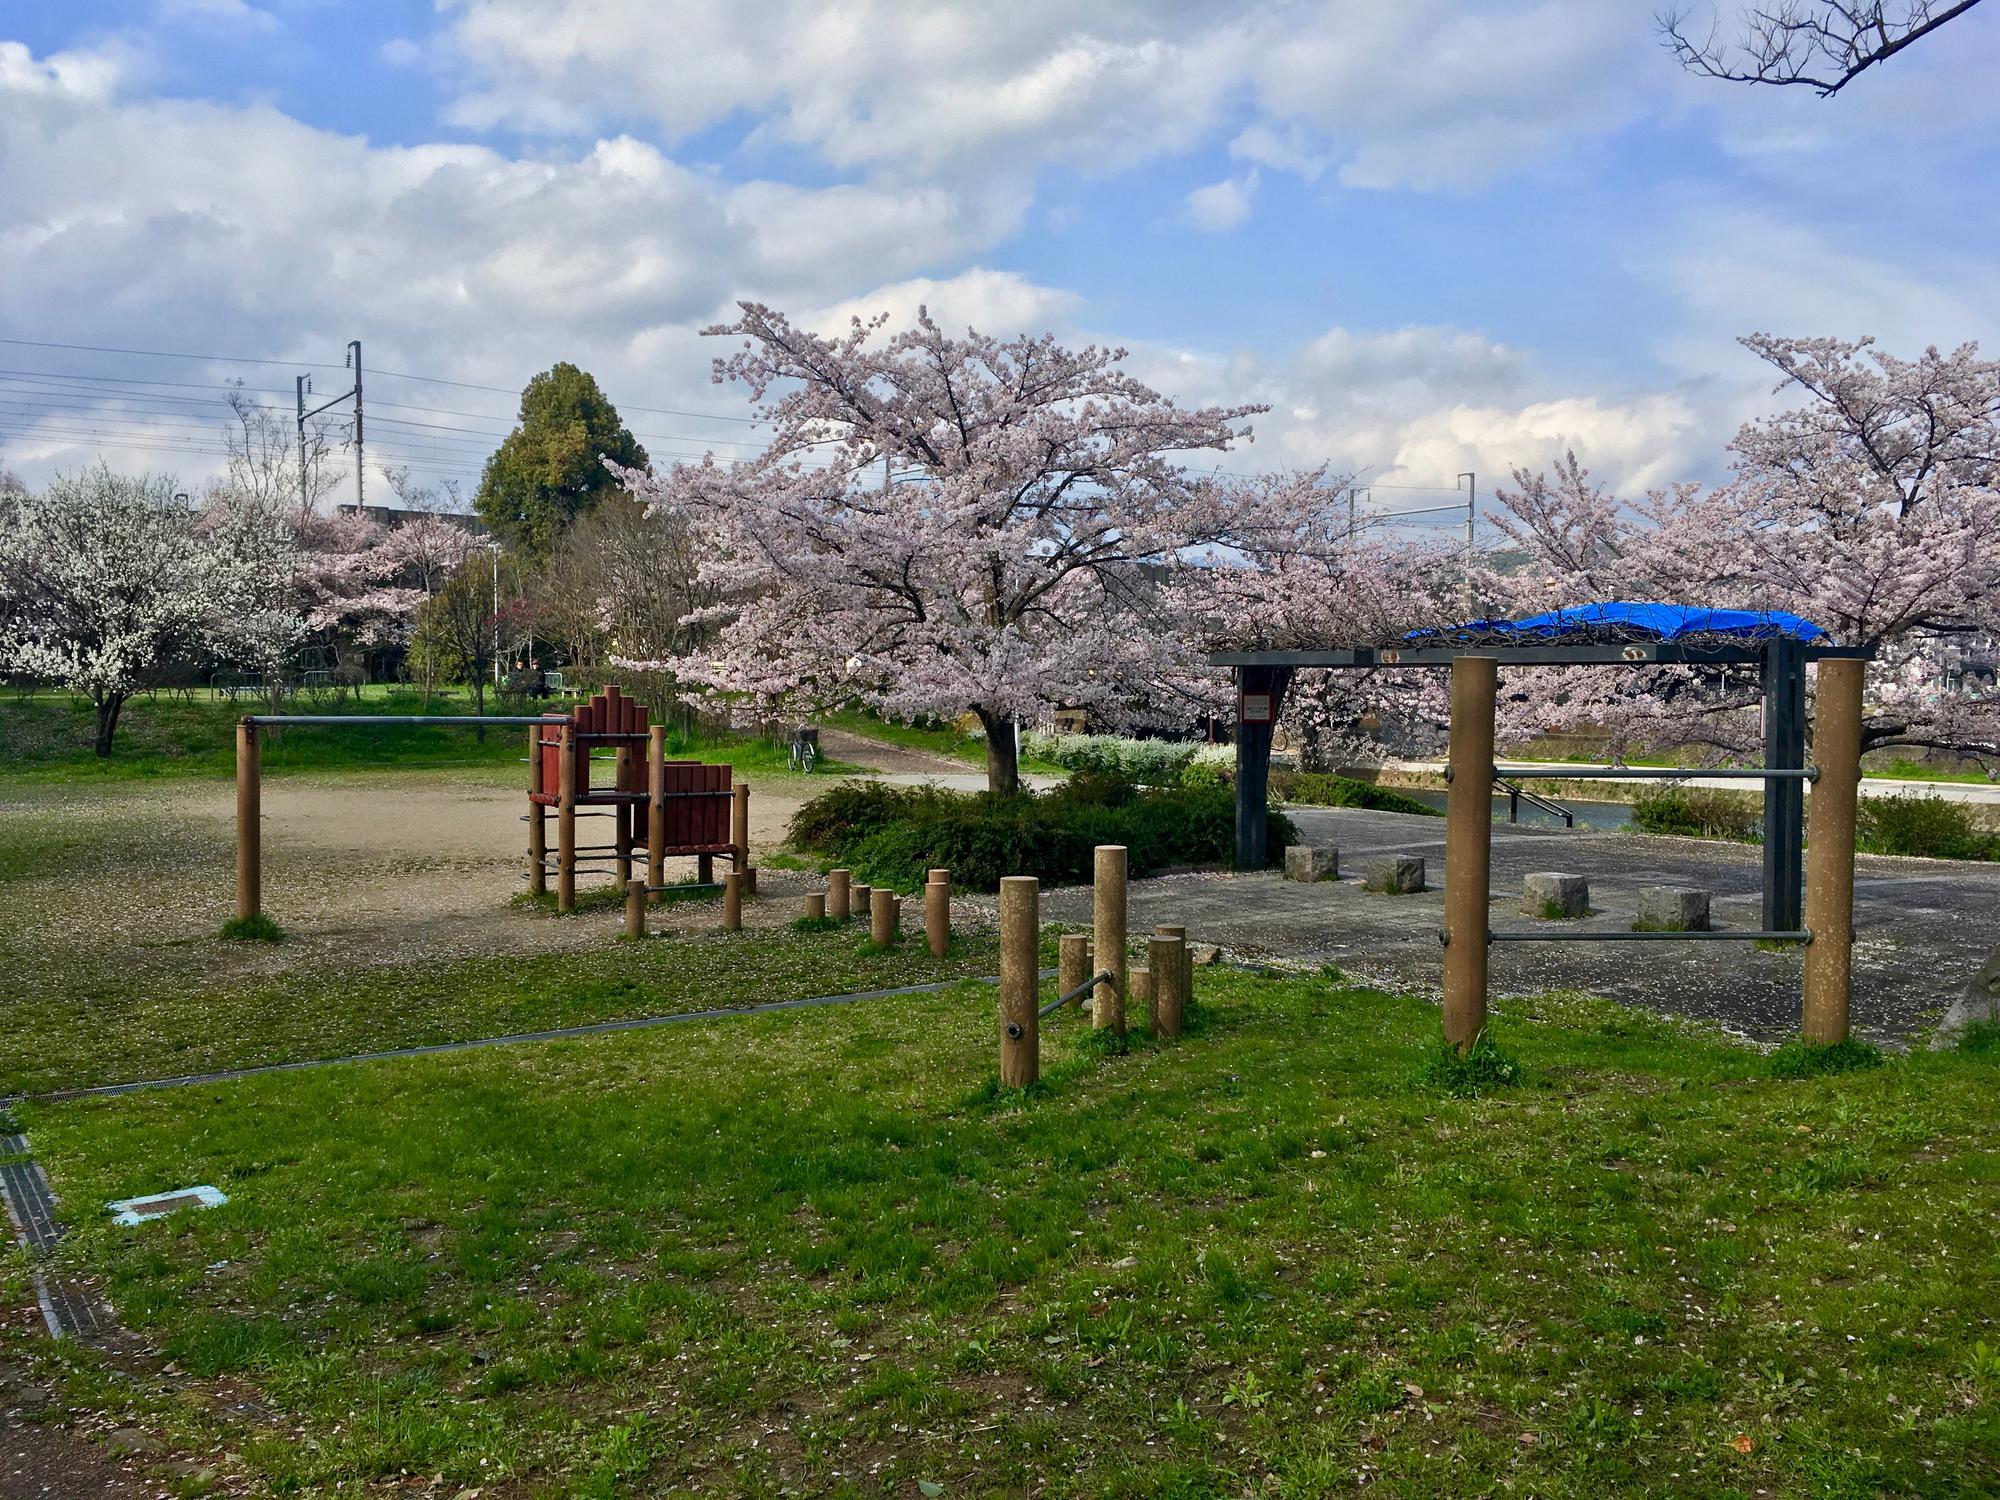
(1663, 622)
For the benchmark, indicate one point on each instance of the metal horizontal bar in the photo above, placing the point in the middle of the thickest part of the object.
(445, 721)
(1623, 653)
(1801, 936)
(1078, 993)
(1659, 773)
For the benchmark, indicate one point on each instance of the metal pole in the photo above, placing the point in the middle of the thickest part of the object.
(1468, 847)
(300, 383)
(1020, 980)
(1108, 937)
(1471, 520)
(1784, 797)
(656, 811)
(360, 448)
(1829, 966)
(494, 552)
(249, 822)
(566, 824)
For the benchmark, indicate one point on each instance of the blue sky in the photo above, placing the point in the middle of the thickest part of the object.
(1434, 236)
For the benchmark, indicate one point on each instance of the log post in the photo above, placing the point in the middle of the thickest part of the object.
(1072, 964)
(1108, 938)
(937, 912)
(739, 829)
(815, 906)
(732, 901)
(635, 909)
(656, 806)
(1168, 957)
(566, 823)
(538, 819)
(1020, 980)
(1829, 964)
(861, 893)
(1468, 848)
(249, 821)
(837, 894)
(621, 779)
(1179, 935)
(885, 916)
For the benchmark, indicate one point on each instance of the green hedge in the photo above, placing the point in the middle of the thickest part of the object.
(1699, 812)
(1317, 789)
(891, 835)
(1930, 826)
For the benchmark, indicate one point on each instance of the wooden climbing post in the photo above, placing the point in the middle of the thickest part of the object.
(1108, 938)
(635, 909)
(1836, 744)
(861, 893)
(837, 894)
(1072, 965)
(538, 818)
(1468, 847)
(656, 806)
(732, 901)
(1169, 965)
(885, 915)
(622, 781)
(815, 906)
(1179, 935)
(566, 823)
(1020, 980)
(937, 912)
(249, 821)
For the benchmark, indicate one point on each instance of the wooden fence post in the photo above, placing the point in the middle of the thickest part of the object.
(739, 831)
(937, 912)
(622, 782)
(249, 821)
(566, 823)
(837, 894)
(635, 909)
(1836, 744)
(1108, 941)
(732, 901)
(1020, 980)
(885, 914)
(1468, 847)
(538, 819)
(1169, 964)
(1072, 964)
(656, 806)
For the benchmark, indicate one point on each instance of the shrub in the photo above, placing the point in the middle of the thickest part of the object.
(1930, 826)
(891, 835)
(1156, 762)
(1318, 789)
(1699, 812)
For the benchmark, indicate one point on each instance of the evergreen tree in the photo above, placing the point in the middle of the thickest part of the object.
(550, 468)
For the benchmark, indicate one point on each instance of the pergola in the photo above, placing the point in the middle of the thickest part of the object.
(1475, 658)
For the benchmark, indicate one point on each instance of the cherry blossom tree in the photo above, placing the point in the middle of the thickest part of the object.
(107, 580)
(1872, 510)
(942, 525)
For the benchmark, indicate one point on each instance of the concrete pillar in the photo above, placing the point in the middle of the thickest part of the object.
(937, 912)
(1072, 963)
(732, 902)
(1108, 937)
(837, 894)
(566, 824)
(1020, 980)
(656, 807)
(815, 906)
(1829, 964)
(635, 909)
(249, 821)
(885, 915)
(1168, 957)
(1468, 847)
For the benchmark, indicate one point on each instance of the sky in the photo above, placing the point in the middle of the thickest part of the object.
(1434, 236)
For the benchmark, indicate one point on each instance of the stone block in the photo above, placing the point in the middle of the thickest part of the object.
(1309, 862)
(1554, 896)
(1400, 875)
(1668, 908)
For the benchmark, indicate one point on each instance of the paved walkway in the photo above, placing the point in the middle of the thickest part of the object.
(1923, 926)
(1981, 793)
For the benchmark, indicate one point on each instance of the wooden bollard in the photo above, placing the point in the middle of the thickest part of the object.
(837, 894)
(885, 916)
(538, 819)
(656, 811)
(566, 823)
(937, 912)
(635, 909)
(1072, 965)
(1020, 980)
(732, 902)
(1179, 934)
(1108, 939)
(739, 829)
(815, 906)
(1139, 985)
(1468, 848)
(861, 896)
(749, 880)
(249, 821)
(1829, 962)
(622, 779)
(1169, 963)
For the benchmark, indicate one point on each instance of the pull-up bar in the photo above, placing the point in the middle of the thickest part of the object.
(442, 721)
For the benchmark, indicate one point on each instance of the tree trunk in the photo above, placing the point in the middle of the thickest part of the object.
(107, 721)
(1003, 762)
(479, 704)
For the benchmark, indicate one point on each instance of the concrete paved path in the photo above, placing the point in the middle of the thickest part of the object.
(1979, 793)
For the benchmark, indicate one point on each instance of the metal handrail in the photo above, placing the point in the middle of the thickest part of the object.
(1657, 773)
(1078, 993)
(1803, 935)
(1516, 794)
(448, 721)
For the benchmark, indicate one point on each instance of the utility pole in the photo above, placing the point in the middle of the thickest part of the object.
(304, 384)
(1471, 520)
(360, 454)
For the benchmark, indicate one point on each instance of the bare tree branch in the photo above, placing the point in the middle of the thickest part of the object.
(1823, 45)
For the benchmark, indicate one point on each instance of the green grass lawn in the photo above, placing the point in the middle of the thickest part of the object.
(939, 739)
(49, 737)
(822, 1252)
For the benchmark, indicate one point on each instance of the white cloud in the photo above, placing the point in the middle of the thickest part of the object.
(1221, 205)
(237, 15)
(401, 52)
(1286, 150)
(995, 302)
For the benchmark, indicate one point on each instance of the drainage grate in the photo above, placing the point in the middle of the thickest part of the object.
(30, 1204)
(69, 1310)
(13, 1145)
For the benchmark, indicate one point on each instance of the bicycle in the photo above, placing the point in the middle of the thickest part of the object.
(803, 751)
